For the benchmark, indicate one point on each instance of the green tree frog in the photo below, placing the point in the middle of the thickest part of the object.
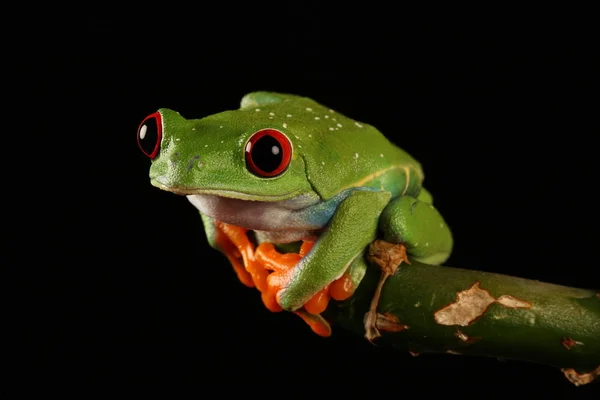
(293, 193)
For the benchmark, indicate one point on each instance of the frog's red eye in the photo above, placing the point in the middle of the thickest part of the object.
(149, 135)
(268, 153)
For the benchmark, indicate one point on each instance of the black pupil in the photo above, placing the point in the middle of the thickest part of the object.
(267, 153)
(148, 135)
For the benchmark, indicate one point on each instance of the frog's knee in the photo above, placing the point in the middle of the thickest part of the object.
(420, 227)
(425, 196)
(432, 259)
(395, 220)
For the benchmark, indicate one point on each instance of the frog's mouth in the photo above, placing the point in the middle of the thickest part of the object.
(231, 194)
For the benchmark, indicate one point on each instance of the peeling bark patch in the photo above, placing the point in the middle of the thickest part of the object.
(387, 255)
(389, 323)
(471, 304)
(414, 353)
(579, 379)
(453, 352)
(569, 343)
(512, 302)
(464, 338)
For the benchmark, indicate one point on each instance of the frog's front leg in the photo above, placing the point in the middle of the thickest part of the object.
(413, 229)
(351, 229)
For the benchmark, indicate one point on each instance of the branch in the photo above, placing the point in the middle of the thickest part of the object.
(426, 308)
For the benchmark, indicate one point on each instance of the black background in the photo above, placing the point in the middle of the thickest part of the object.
(496, 106)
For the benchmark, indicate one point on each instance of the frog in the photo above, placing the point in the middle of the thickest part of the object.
(292, 193)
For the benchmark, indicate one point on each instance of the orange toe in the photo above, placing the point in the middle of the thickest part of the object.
(342, 288)
(317, 323)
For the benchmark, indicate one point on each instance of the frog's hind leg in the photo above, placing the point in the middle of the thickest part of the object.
(419, 226)
(412, 229)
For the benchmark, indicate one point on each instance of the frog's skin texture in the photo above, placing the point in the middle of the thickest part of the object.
(318, 179)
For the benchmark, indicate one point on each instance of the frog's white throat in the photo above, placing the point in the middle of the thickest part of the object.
(276, 221)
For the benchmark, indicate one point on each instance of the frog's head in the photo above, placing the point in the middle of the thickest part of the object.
(238, 154)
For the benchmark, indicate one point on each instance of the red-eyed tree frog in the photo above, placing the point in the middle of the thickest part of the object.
(283, 170)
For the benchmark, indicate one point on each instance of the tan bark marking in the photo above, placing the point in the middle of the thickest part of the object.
(388, 256)
(578, 379)
(453, 352)
(569, 343)
(464, 338)
(414, 353)
(471, 304)
(512, 302)
(389, 323)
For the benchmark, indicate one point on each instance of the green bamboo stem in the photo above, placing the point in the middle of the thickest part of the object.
(425, 308)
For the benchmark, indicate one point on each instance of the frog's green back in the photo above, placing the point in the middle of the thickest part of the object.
(338, 152)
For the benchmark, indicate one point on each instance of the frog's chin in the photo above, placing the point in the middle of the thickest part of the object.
(285, 215)
(232, 194)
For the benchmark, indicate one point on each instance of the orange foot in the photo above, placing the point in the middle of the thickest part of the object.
(282, 265)
(269, 271)
(240, 251)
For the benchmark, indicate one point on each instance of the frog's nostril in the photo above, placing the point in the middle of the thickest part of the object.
(150, 134)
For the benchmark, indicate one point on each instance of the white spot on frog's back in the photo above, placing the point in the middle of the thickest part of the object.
(308, 109)
(176, 139)
(272, 114)
(257, 110)
(284, 125)
(331, 128)
(355, 155)
(317, 118)
(193, 129)
(381, 155)
(358, 124)
(289, 115)
(339, 125)
(143, 131)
